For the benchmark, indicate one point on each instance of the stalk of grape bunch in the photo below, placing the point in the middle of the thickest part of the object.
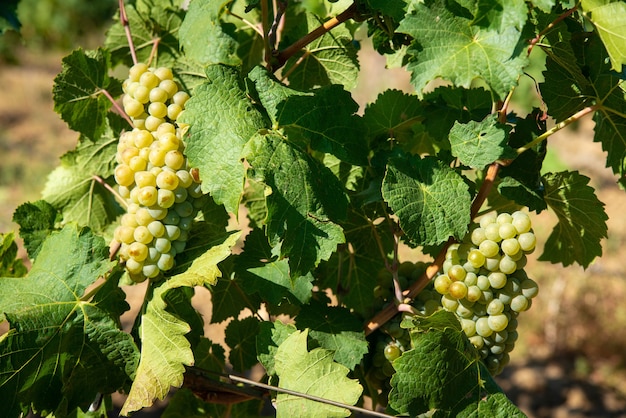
(153, 174)
(484, 284)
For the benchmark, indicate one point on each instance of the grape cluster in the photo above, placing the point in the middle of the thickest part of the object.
(153, 174)
(484, 284)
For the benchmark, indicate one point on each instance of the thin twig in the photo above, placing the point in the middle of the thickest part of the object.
(117, 107)
(246, 22)
(265, 27)
(552, 24)
(309, 397)
(126, 26)
(154, 50)
(110, 189)
(285, 54)
(576, 116)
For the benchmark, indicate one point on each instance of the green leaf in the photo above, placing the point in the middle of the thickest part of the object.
(64, 346)
(521, 180)
(314, 373)
(500, 14)
(578, 75)
(326, 117)
(241, 338)
(305, 202)
(442, 373)
(73, 190)
(77, 91)
(395, 9)
(228, 300)
(222, 119)
(273, 283)
(431, 200)
(271, 335)
(329, 59)
(393, 115)
(150, 21)
(185, 404)
(582, 220)
(353, 270)
(477, 144)
(36, 221)
(335, 329)
(609, 18)
(205, 36)
(10, 264)
(446, 45)
(8, 16)
(164, 349)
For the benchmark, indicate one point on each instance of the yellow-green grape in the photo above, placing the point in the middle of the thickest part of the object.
(153, 174)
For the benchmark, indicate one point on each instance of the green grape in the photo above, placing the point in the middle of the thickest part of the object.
(507, 231)
(134, 266)
(166, 262)
(527, 241)
(507, 265)
(470, 279)
(497, 280)
(529, 288)
(521, 222)
(392, 352)
(519, 303)
(483, 328)
(150, 271)
(142, 234)
(489, 248)
(162, 245)
(495, 307)
(464, 311)
(449, 303)
(510, 246)
(442, 284)
(457, 290)
(477, 341)
(492, 232)
(478, 236)
(504, 218)
(487, 219)
(498, 322)
(185, 209)
(156, 228)
(482, 282)
(500, 337)
(456, 273)
(476, 258)
(474, 293)
(469, 327)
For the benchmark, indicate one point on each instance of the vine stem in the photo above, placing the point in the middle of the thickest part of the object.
(552, 24)
(126, 25)
(117, 107)
(285, 54)
(576, 116)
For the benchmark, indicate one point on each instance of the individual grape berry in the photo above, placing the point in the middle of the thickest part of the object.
(392, 352)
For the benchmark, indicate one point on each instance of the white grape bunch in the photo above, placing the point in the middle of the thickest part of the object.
(153, 174)
(484, 284)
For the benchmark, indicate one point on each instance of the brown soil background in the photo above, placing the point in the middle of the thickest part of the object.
(571, 358)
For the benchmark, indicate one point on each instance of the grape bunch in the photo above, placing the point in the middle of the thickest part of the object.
(153, 175)
(484, 284)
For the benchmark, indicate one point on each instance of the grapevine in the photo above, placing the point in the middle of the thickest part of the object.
(233, 159)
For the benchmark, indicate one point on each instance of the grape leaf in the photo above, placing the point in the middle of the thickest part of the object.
(36, 221)
(325, 117)
(395, 9)
(222, 120)
(164, 349)
(442, 373)
(329, 59)
(431, 200)
(609, 18)
(205, 36)
(335, 329)
(228, 300)
(73, 190)
(271, 335)
(306, 200)
(10, 264)
(393, 115)
(501, 14)
(446, 45)
(582, 220)
(353, 269)
(446, 105)
(477, 144)
(241, 338)
(314, 373)
(8, 16)
(64, 346)
(150, 21)
(521, 180)
(77, 91)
